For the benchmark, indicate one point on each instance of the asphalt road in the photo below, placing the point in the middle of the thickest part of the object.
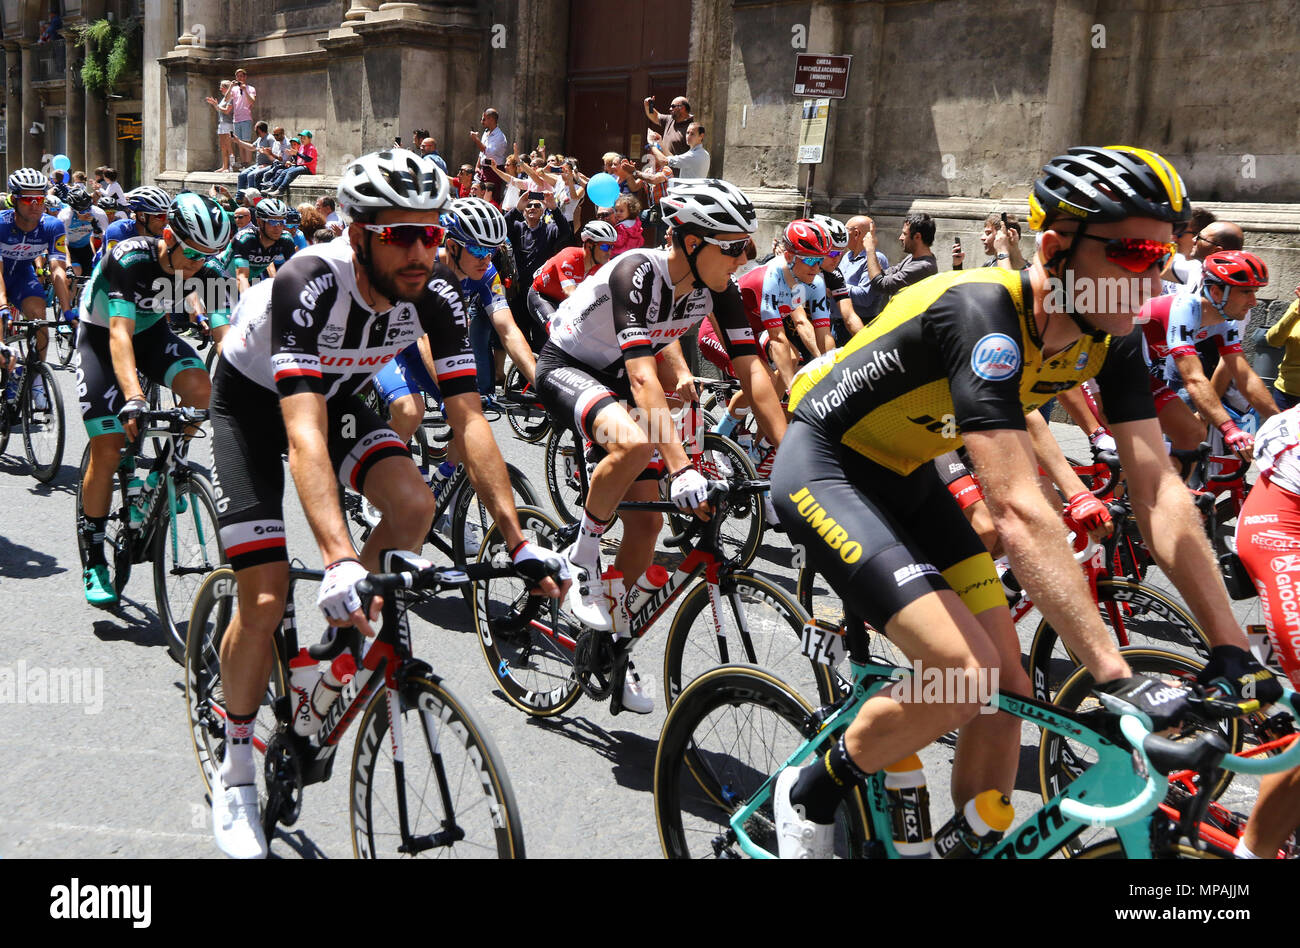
(113, 774)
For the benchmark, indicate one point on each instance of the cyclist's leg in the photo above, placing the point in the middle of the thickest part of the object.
(1178, 422)
(100, 402)
(373, 460)
(640, 530)
(33, 307)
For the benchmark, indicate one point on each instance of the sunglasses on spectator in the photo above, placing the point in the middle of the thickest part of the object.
(532, 205)
(810, 261)
(1207, 240)
(732, 248)
(1134, 254)
(405, 235)
(479, 253)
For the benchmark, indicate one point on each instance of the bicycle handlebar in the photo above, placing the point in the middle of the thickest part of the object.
(1142, 804)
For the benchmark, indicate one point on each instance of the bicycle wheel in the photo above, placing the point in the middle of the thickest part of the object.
(205, 702)
(65, 342)
(118, 533)
(186, 549)
(7, 411)
(1060, 761)
(528, 421)
(759, 625)
(471, 519)
(531, 661)
(727, 734)
(566, 474)
(742, 533)
(43, 432)
(1138, 613)
(453, 780)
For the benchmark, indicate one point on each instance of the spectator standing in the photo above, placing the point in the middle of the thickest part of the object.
(918, 262)
(1183, 267)
(691, 163)
(429, 148)
(671, 128)
(857, 276)
(111, 189)
(534, 239)
(491, 143)
(243, 98)
(225, 124)
(1001, 244)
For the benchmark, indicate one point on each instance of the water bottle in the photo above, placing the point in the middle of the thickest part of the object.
(440, 475)
(975, 828)
(339, 673)
(304, 673)
(909, 808)
(134, 492)
(645, 587)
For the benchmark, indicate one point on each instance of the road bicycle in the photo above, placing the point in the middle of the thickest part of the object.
(42, 427)
(163, 511)
(544, 663)
(425, 778)
(735, 728)
(63, 332)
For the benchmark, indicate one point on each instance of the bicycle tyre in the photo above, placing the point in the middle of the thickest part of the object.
(529, 424)
(204, 698)
(119, 536)
(773, 641)
(7, 411)
(566, 474)
(723, 459)
(471, 514)
(1056, 759)
(463, 765)
(533, 669)
(65, 341)
(1113, 849)
(1156, 621)
(198, 538)
(43, 432)
(712, 757)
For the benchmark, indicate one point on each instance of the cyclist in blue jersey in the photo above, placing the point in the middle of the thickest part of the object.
(149, 206)
(26, 234)
(82, 221)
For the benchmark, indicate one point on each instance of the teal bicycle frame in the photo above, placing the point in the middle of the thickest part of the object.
(1116, 791)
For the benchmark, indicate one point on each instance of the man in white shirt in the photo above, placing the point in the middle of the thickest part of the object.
(694, 162)
(491, 144)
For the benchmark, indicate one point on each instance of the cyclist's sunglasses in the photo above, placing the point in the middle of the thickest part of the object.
(1134, 254)
(479, 253)
(273, 221)
(834, 254)
(405, 235)
(34, 199)
(810, 261)
(729, 248)
(191, 254)
(606, 247)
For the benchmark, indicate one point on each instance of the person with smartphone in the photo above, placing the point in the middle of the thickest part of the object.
(243, 96)
(671, 127)
(491, 144)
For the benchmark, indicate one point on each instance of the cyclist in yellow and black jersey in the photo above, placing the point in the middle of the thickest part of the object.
(961, 359)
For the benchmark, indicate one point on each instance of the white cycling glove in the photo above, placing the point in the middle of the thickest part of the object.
(338, 597)
(689, 489)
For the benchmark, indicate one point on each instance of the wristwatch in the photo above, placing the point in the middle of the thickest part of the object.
(1003, 256)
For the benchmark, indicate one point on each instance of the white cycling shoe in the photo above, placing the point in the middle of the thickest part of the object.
(586, 600)
(636, 692)
(236, 820)
(796, 837)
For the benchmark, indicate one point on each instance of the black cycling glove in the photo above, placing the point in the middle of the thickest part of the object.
(1165, 704)
(1237, 672)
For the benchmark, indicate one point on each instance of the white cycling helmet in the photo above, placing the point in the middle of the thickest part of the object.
(199, 222)
(271, 209)
(148, 199)
(28, 179)
(473, 221)
(710, 205)
(394, 178)
(838, 232)
(600, 232)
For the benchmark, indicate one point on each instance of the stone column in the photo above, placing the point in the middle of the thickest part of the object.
(1067, 78)
(31, 146)
(357, 12)
(75, 99)
(156, 43)
(13, 108)
(199, 19)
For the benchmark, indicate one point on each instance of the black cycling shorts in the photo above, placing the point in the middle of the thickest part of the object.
(882, 540)
(160, 355)
(248, 447)
(575, 394)
(83, 256)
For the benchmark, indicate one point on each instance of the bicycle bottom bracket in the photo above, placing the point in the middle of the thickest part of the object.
(283, 773)
(593, 663)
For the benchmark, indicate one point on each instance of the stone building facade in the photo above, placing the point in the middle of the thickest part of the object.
(952, 105)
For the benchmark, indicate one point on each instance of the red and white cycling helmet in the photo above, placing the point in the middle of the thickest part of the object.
(807, 238)
(1235, 268)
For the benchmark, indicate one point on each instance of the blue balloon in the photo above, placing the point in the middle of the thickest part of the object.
(61, 163)
(603, 189)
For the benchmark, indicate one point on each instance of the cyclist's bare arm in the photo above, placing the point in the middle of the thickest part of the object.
(1248, 383)
(673, 369)
(1034, 538)
(521, 354)
(803, 328)
(1178, 544)
(1198, 386)
(825, 340)
(1076, 406)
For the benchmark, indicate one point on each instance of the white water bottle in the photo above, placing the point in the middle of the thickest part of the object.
(645, 587)
(304, 673)
(338, 674)
(909, 808)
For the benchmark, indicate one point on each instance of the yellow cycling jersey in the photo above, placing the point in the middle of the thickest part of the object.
(953, 353)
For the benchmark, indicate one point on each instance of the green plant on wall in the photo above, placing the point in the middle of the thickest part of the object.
(112, 53)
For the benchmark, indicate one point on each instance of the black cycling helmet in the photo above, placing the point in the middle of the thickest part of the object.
(1090, 184)
(78, 199)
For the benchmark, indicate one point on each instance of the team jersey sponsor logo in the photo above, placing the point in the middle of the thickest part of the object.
(836, 537)
(855, 379)
(913, 571)
(1287, 563)
(1275, 540)
(1261, 518)
(1082, 361)
(995, 357)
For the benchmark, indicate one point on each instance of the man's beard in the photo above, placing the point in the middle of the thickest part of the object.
(387, 287)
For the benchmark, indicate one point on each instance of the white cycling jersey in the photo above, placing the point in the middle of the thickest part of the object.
(1275, 449)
